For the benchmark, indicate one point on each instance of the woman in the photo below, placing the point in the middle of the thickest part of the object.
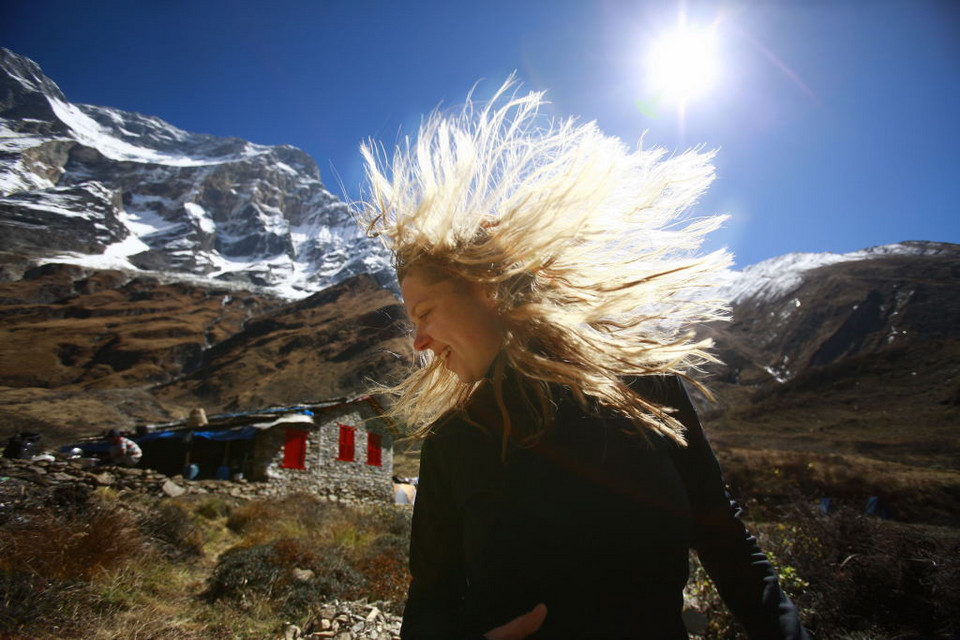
(564, 475)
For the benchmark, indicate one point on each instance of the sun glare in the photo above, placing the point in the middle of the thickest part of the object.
(683, 65)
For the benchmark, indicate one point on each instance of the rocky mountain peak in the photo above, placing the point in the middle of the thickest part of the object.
(102, 187)
(24, 89)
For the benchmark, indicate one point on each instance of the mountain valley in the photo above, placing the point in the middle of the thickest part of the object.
(145, 271)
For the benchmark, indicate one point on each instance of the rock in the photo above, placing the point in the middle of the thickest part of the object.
(302, 575)
(373, 614)
(695, 621)
(172, 489)
(104, 479)
(292, 632)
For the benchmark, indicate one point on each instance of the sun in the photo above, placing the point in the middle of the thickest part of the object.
(683, 65)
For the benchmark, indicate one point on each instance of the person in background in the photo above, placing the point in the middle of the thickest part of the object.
(555, 293)
(123, 451)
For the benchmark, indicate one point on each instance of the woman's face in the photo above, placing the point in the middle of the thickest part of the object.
(456, 320)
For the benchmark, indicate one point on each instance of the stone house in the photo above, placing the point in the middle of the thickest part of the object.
(342, 449)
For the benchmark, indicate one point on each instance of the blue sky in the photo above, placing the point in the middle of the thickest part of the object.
(837, 122)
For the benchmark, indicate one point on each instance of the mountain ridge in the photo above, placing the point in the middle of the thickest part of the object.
(101, 187)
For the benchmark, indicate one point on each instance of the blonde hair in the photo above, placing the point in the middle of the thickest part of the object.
(596, 277)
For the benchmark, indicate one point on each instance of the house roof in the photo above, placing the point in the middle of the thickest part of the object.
(241, 425)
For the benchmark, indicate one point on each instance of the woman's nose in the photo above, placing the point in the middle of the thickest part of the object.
(421, 341)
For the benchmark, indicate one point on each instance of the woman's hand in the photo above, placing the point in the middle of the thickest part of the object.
(520, 627)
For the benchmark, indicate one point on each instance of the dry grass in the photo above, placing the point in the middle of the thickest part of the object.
(95, 566)
(92, 565)
(70, 549)
(770, 478)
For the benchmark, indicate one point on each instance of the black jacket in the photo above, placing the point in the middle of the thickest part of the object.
(593, 521)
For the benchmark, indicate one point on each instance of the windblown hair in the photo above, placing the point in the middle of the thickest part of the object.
(596, 276)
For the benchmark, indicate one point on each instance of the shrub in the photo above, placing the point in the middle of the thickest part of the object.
(66, 549)
(32, 605)
(868, 574)
(243, 574)
(172, 524)
(213, 508)
(390, 519)
(386, 577)
(350, 553)
(49, 557)
(853, 574)
(291, 515)
(246, 516)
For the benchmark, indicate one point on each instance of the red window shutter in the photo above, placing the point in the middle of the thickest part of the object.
(373, 449)
(295, 449)
(346, 443)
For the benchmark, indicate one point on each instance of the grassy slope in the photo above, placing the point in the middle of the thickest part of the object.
(108, 566)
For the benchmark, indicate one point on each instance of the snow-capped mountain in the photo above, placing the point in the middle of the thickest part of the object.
(803, 311)
(107, 188)
(778, 277)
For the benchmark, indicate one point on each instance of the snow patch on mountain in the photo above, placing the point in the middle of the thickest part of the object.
(778, 277)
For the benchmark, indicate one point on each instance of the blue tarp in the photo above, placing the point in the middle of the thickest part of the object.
(242, 433)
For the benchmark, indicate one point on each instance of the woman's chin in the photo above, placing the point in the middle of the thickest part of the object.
(457, 371)
(455, 368)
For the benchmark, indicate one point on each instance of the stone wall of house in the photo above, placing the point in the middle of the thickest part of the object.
(323, 473)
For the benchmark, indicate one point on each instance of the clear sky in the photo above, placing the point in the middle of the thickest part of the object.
(837, 121)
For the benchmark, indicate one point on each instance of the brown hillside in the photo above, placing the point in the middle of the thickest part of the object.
(84, 350)
(862, 358)
(64, 326)
(336, 342)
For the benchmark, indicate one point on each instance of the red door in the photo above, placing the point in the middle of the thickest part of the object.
(295, 449)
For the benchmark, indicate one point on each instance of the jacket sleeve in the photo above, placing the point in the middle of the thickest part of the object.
(742, 573)
(434, 600)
